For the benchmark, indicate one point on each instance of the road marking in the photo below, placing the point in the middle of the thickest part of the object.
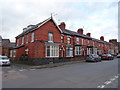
(32, 69)
(112, 79)
(98, 86)
(109, 81)
(22, 70)
(102, 86)
(116, 76)
(11, 71)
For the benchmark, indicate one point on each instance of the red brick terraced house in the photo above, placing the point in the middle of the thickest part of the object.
(7, 48)
(47, 40)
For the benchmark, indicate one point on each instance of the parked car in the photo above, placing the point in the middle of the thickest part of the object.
(93, 58)
(107, 57)
(118, 56)
(4, 60)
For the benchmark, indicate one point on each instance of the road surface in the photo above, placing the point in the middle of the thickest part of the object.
(81, 75)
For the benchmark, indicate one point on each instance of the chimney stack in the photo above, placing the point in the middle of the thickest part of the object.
(88, 34)
(102, 38)
(80, 31)
(113, 40)
(62, 25)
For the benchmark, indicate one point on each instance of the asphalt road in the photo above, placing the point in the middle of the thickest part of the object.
(81, 75)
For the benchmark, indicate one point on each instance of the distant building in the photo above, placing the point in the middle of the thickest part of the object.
(115, 48)
(119, 47)
(7, 46)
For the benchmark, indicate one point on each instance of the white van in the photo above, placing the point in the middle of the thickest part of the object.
(4, 60)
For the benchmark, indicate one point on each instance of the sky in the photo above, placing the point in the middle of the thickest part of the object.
(97, 18)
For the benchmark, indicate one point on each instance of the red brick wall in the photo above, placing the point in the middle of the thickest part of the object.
(38, 49)
(42, 32)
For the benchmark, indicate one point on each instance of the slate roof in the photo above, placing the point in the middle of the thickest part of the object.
(4, 41)
(31, 28)
(10, 45)
(101, 41)
(73, 33)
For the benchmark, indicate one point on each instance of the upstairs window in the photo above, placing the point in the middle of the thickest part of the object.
(26, 38)
(68, 39)
(93, 43)
(88, 42)
(32, 37)
(50, 37)
(62, 39)
(22, 40)
(82, 41)
(77, 40)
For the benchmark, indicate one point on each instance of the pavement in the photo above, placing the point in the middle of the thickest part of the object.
(50, 65)
(65, 75)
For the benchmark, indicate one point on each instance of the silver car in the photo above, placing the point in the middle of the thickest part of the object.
(4, 60)
(93, 58)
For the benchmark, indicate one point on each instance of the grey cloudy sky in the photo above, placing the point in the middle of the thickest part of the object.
(98, 18)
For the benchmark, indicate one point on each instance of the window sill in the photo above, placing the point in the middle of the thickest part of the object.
(32, 41)
(50, 41)
(51, 56)
(69, 56)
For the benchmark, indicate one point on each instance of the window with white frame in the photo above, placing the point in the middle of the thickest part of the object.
(77, 40)
(11, 53)
(77, 50)
(62, 39)
(93, 43)
(22, 40)
(82, 41)
(52, 51)
(32, 37)
(26, 38)
(88, 42)
(50, 37)
(26, 51)
(68, 40)
(0, 42)
(14, 53)
(69, 52)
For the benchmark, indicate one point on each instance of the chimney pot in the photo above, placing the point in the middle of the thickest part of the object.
(62, 25)
(88, 34)
(102, 38)
(80, 31)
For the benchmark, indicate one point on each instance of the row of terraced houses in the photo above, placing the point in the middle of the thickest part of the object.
(49, 40)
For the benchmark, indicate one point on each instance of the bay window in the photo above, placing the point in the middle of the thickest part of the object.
(69, 52)
(52, 51)
(77, 50)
